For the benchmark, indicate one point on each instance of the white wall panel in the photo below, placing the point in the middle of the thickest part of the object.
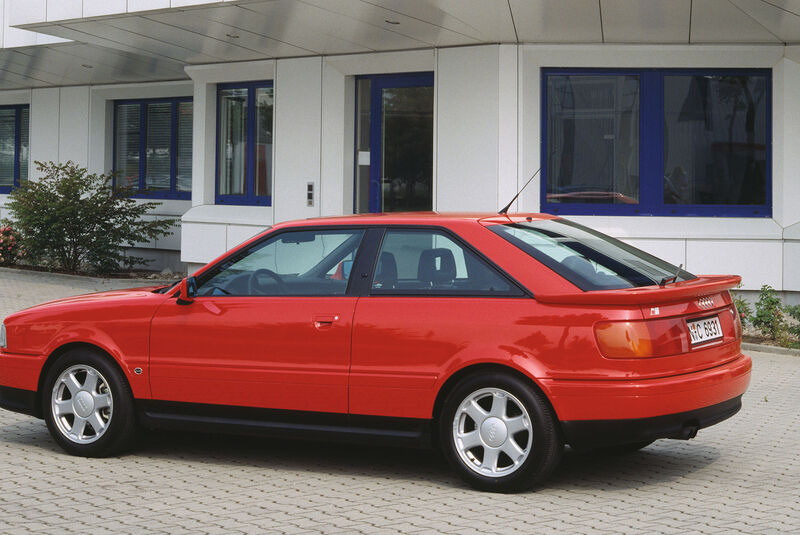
(336, 183)
(298, 123)
(20, 12)
(791, 266)
(202, 242)
(96, 8)
(673, 251)
(74, 125)
(236, 234)
(758, 262)
(508, 127)
(467, 128)
(64, 9)
(44, 135)
(785, 133)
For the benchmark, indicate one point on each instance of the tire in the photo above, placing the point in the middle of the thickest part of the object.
(502, 416)
(88, 405)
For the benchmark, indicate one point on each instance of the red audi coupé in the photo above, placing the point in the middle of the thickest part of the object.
(499, 338)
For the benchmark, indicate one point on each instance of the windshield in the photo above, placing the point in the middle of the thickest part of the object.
(588, 259)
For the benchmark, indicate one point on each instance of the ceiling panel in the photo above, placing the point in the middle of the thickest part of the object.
(425, 23)
(646, 21)
(486, 20)
(784, 24)
(184, 38)
(214, 26)
(327, 32)
(719, 21)
(79, 64)
(557, 21)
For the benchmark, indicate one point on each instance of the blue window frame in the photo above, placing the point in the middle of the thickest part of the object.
(666, 142)
(14, 146)
(153, 147)
(394, 125)
(244, 143)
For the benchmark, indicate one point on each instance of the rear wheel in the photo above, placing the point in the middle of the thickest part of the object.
(499, 433)
(88, 405)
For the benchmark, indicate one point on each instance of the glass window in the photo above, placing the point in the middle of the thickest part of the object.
(425, 261)
(291, 263)
(593, 138)
(715, 139)
(14, 136)
(657, 142)
(587, 258)
(153, 147)
(244, 151)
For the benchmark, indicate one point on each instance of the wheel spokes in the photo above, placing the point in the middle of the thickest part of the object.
(490, 458)
(470, 440)
(72, 384)
(499, 402)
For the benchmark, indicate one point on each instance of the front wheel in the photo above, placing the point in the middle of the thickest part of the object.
(499, 433)
(88, 405)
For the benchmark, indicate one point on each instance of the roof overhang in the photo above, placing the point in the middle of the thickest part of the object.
(160, 42)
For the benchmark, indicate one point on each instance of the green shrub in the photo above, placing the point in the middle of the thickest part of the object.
(769, 317)
(742, 307)
(75, 220)
(10, 248)
(794, 312)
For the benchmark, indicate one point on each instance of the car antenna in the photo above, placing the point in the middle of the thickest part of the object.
(505, 209)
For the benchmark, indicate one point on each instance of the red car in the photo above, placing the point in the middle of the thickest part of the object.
(499, 338)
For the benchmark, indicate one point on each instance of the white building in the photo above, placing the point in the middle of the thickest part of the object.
(668, 123)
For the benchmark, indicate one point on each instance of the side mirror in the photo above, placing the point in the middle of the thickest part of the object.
(187, 290)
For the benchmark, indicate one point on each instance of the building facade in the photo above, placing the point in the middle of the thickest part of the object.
(670, 124)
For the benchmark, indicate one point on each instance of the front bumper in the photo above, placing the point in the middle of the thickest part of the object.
(684, 425)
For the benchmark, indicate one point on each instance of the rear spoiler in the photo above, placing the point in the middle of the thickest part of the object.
(679, 291)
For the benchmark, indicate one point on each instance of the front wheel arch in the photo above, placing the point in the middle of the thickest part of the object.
(54, 356)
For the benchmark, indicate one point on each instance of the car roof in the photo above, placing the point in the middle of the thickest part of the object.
(417, 218)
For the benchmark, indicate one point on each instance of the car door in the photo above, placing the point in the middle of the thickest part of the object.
(269, 327)
(430, 303)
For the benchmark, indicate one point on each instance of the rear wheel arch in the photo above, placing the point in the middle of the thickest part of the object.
(487, 367)
(56, 354)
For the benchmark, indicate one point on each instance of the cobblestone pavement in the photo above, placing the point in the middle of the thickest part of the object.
(742, 476)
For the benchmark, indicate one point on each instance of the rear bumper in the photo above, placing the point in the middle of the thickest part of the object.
(646, 398)
(683, 425)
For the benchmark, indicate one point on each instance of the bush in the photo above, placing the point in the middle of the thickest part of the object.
(794, 312)
(10, 249)
(769, 317)
(742, 307)
(75, 221)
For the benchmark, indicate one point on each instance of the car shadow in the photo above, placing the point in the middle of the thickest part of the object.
(663, 461)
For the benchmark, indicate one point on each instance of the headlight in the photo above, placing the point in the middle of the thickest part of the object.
(3, 335)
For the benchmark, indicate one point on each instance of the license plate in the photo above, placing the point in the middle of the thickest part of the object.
(704, 330)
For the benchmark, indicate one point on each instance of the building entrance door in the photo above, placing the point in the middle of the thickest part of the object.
(394, 143)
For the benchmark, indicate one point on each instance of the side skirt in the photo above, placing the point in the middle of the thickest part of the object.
(300, 425)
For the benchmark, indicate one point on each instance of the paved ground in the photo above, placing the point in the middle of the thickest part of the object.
(742, 476)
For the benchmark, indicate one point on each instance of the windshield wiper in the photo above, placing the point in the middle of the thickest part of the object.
(668, 280)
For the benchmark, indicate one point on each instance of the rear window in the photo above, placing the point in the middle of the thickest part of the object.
(588, 259)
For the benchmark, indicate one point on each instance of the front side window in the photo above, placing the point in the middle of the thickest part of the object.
(656, 142)
(303, 262)
(429, 262)
(244, 143)
(588, 259)
(153, 147)
(14, 136)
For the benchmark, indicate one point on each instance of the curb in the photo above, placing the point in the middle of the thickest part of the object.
(770, 349)
(98, 280)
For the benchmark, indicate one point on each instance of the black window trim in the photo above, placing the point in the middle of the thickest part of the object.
(521, 292)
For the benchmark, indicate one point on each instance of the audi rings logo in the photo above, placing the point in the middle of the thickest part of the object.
(705, 302)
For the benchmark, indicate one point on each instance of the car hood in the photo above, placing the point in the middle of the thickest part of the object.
(92, 300)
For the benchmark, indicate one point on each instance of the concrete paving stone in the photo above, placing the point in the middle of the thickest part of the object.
(739, 476)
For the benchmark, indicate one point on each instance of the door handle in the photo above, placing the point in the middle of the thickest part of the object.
(323, 322)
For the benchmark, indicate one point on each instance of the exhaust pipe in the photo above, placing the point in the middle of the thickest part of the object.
(689, 430)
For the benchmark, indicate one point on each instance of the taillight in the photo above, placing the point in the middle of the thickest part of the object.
(737, 323)
(642, 339)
